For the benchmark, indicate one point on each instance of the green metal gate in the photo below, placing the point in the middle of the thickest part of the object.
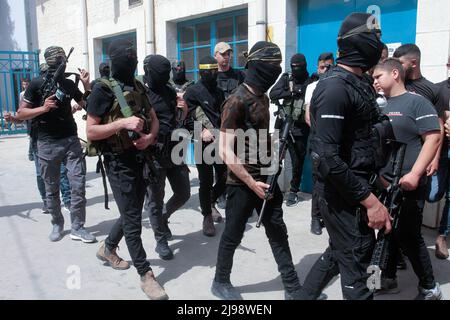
(14, 67)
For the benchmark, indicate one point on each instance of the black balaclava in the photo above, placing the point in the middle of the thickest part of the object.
(179, 72)
(157, 71)
(298, 67)
(209, 71)
(54, 56)
(104, 70)
(358, 43)
(261, 73)
(123, 61)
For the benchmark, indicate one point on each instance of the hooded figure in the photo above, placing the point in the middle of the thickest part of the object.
(179, 72)
(263, 65)
(205, 94)
(157, 71)
(359, 45)
(298, 67)
(208, 70)
(123, 61)
(104, 70)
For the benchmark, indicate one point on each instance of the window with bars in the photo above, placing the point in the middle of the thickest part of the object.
(197, 38)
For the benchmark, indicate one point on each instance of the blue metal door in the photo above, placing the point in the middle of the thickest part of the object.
(318, 26)
(14, 67)
(319, 22)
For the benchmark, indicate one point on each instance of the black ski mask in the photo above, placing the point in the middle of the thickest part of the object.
(179, 72)
(104, 70)
(157, 71)
(208, 72)
(263, 65)
(123, 61)
(358, 42)
(298, 67)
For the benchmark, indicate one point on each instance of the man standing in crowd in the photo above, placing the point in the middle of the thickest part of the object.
(57, 143)
(325, 62)
(248, 109)
(415, 123)
(204, 100)
(343, 111)
(228, 78)
(165, 102)
(124, 158)
(300, 129)
(179, 81)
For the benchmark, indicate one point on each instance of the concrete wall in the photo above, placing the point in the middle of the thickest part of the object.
(433, 37)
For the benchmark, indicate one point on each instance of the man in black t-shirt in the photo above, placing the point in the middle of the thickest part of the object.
(204, 100)
(228, 79)
(415, 123)
(124, 141)
(410, 55)
(167, 106)
(57, 143)
(300, 129)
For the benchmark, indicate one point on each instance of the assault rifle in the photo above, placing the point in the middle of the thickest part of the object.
(285, 139)
(392, 200)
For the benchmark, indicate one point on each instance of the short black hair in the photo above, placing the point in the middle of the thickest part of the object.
(385, 47)
(409, 49)
(390, 64)
(326, 56)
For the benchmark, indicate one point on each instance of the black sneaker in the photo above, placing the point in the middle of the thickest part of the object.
(225, 291)
(316, 227)
(291, 199)
(164, 251)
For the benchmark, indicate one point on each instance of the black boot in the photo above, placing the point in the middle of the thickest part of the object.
(225, 291)
(316, 226)
(163, 250)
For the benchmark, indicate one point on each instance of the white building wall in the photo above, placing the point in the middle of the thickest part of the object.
(433, 37)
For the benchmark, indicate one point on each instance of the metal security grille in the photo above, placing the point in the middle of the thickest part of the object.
(14, 67)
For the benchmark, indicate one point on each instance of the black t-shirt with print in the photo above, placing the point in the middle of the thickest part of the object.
(57, 123)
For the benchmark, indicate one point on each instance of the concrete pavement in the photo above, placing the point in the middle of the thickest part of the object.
(34, 268)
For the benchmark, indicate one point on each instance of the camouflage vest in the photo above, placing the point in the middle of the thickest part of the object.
(138, 102)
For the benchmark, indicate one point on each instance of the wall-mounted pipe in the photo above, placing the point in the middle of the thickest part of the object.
(261, 20)
(150, 27)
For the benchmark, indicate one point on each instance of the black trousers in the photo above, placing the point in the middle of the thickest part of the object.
(297, 151)
(315, 210)
(178, 177)
(241, 201)
(208, 193)
(408, 236)
(126, 177)
(349, 253)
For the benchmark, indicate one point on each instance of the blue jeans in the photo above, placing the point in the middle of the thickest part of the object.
(64, 181)
(438, 186)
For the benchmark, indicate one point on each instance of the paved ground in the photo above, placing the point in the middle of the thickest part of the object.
(34, 268)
